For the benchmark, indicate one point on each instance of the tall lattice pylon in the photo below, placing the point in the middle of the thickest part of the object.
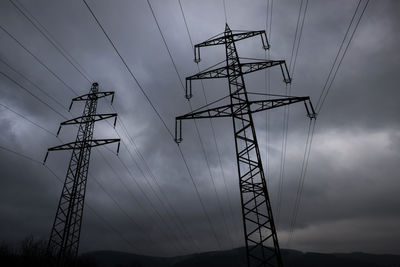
(259, 229)
(65, 233)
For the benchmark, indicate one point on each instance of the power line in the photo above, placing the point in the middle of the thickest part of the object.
(196, 125)
(116, 203)
(40, 125)
(146, 197)
(197, 129)
(27, 119)
(325, 88)
(293, 59)
(179, 224)
(121, 209)
(36, 124)
(270, 18)
(324, 94)
(259, 227)
(149, 172)
(122, 236)
(166, 46)
(142, 90)
(20, 154)
(306, 156)
(33, 95)
(226, 18)
(338, 53)
(198, 194)
(129, 70)
(31, 82)
(48, 37)
(96, 213)
(299, 39)
(53, 42)
(60, 180)
(186, 24)
(211, 122)
(267, 79)
(37, 59)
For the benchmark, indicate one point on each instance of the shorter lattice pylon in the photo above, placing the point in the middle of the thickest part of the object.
(65, 233)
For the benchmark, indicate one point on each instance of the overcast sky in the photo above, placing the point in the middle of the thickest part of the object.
(350, 200)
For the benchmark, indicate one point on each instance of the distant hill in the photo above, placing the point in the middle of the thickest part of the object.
(236, 257)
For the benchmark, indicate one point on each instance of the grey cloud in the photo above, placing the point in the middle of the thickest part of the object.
(351, 186)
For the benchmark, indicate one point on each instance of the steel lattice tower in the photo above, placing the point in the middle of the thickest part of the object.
(261, 240)
(65, 233)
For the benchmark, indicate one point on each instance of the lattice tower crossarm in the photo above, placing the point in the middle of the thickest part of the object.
(261, 239)
(65, 233)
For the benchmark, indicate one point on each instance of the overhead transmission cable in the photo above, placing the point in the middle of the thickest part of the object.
(129, 70)
(33, 95)
(211, 125)
(329, 80)
(130, 218)
(165, 200)
(306, 156)
(226, 17)
(165, 233)
(155, 110)
(323, 96)
(26, 118)
(267, 79)
(39, 99)
(211, 121)
(153, 206)
(38, 60)
(61, 181)
(34, 84)
(96, 213)
(293, 59)
(198, 132)
(69, 58)
(49, 38)
(196, 125)
(49, 132)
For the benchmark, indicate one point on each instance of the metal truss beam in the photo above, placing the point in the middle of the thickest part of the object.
(260, 234)
(84, 144)
(221, 40)
(65, 233)
(92, 96)
(226, 71)
(240, 109)
(82, 119)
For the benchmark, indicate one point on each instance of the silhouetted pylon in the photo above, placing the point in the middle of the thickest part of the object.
(65, 233)
(259, 229)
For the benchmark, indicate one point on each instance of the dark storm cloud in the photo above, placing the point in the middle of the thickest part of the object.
(350, 196)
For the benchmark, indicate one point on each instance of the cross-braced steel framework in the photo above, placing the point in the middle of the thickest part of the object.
(259, 228)
(65, 233)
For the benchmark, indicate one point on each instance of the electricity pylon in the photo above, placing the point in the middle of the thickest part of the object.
(65, 233)
(261, 239)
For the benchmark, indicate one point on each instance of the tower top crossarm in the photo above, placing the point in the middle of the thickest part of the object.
(221, 39)
(226, 38)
